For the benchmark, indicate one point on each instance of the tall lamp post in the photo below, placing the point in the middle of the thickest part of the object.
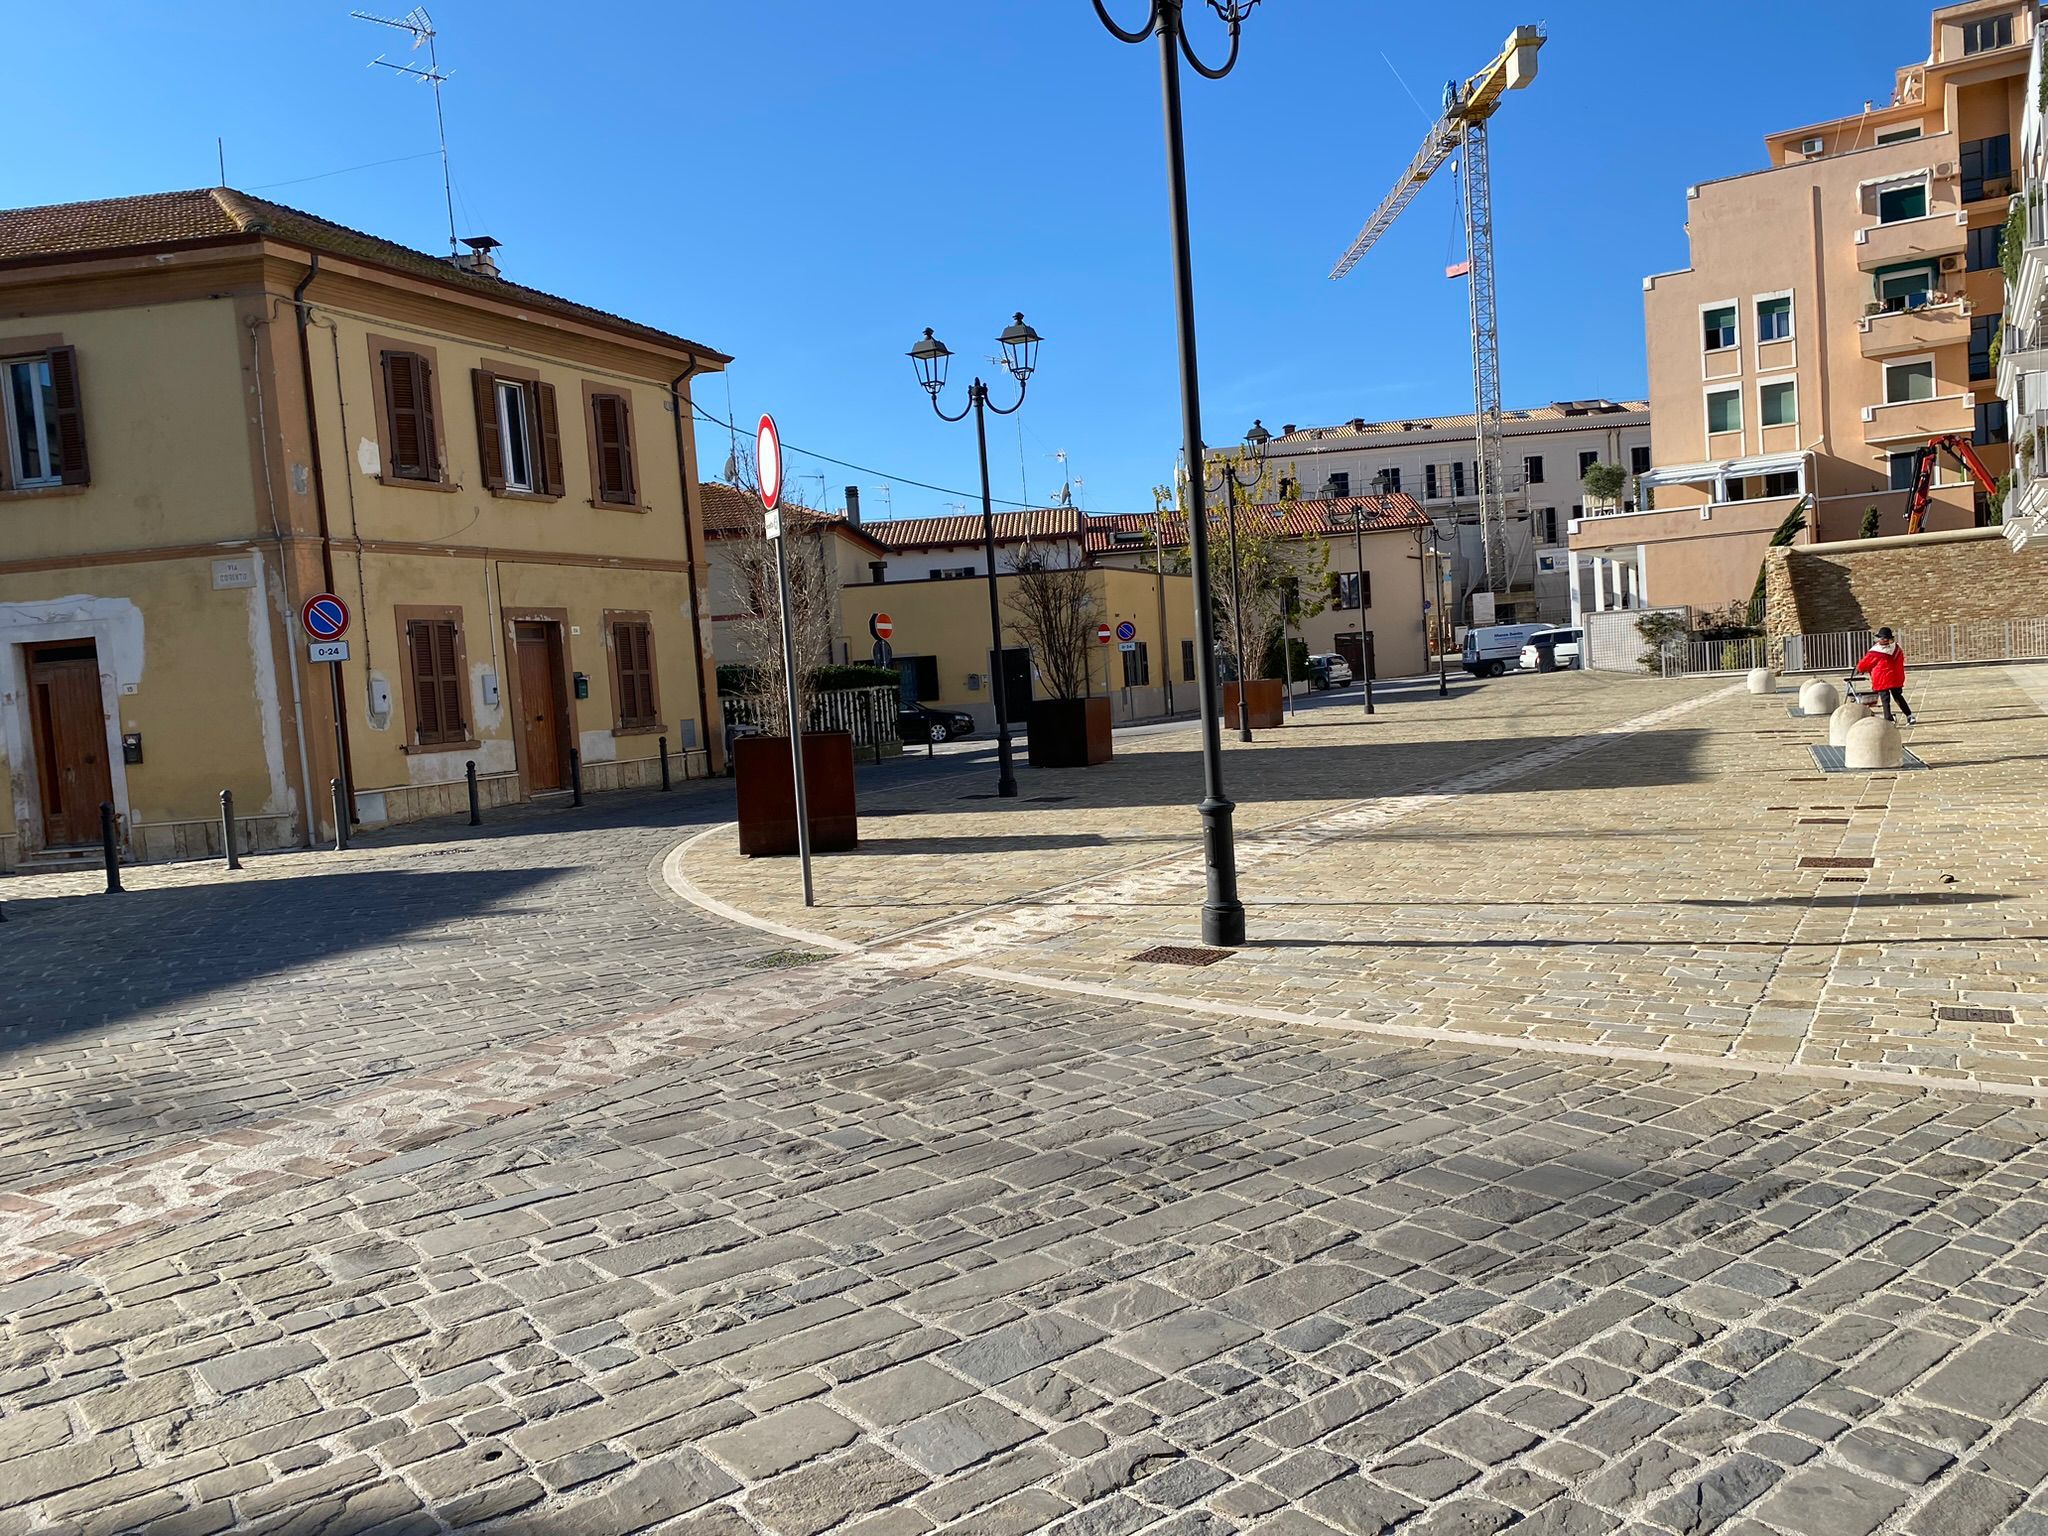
(1222, 912)
(1255, 442)
(1020, 358)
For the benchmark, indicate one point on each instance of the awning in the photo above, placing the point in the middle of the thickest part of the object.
(1725, 469)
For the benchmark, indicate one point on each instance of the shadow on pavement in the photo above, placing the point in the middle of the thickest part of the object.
(77, 962)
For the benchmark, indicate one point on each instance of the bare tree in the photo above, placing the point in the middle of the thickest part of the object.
(1267, 564)
(1054, 613)
(757, 624)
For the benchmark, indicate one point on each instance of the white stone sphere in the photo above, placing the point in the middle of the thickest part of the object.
(1847, 715)
(1874, 743)
(1819, 697)
(1762, 680)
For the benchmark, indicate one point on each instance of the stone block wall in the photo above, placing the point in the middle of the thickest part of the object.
(1932, 578)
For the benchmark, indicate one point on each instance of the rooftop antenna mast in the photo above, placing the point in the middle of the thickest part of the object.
(420, 26)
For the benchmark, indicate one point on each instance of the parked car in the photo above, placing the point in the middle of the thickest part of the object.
(1330, 671)
(920, 722)
(1491, 651)
(1550, 650)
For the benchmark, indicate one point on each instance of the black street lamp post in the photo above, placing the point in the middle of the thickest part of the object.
(1255, 442)
(1222, 912)
(1365, 655)
(1020, 358)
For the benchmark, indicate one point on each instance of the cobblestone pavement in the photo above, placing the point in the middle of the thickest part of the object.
(1654, 884)
(673, 1229)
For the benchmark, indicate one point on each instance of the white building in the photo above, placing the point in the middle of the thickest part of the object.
(2023, 348)
(1546, 451)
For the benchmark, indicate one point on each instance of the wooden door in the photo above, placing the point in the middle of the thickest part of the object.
(1351, 646)
(541, 713)
(71, 742)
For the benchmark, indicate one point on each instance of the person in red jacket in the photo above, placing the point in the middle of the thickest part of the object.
(1885, 661)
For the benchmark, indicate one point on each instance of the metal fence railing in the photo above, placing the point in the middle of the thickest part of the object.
(869, 715)
(1925, 645)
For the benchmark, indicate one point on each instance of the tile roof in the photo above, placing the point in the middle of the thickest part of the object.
(221, 215)
(1556, 411)
(1397, 513)
(1011, 528)
(730, 511)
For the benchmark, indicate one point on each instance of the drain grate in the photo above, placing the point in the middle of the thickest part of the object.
(1049, 799)
(1974, 1015)
(1836, 862)
(1823, 821)
(1180, 954)
(1842, 880)
(981, 797)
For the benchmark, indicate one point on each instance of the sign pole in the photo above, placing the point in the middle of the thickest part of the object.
(768, 465)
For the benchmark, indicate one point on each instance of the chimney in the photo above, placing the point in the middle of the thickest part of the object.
(479, 262)
(853, 505)
(1288, 430)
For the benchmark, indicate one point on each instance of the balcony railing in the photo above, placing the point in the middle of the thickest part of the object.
(1929, 238)
(1897, 326)
(1915, 421)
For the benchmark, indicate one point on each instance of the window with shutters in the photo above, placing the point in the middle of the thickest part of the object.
(1187, 661)
(635, 705)
(1138, 667)
(434, 670)
(518, 435)
(611, 449)
(45, 426)
(1350, 589)
(411, 446)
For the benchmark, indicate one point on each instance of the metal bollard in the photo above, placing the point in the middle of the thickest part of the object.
(1368, 693)
(575, 777)
(227, 828)
(663, 744)
(340, 815)
(476, 816)
(112, 852)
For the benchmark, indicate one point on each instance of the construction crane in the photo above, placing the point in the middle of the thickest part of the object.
(1462, 130)
(1956, 447)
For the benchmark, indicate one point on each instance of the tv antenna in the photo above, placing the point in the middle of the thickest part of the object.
(420, 26)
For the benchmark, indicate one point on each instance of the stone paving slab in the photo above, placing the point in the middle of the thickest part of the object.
(980, 1261)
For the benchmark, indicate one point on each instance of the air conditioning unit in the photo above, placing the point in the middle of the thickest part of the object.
(1951, 263)
(1813, 146)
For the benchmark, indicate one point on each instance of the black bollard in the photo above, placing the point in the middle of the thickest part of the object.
(227, 828)
(340, 815)
(107, 846)
(575, 777)
(663, 744)
(476, 816)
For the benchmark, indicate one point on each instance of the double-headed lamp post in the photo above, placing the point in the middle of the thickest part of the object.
(1020, 358)
(1222, 912)
(1255, 442)
(1365, 655)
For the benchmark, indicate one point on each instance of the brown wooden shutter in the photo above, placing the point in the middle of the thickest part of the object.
(490, 448)
(426, 696)
(423, 384)
(72, 468)
(402, 416)
(633, 672)
(1336, 589)
(1365, 589)
(551, 480)
(614, 449)
(447, 664)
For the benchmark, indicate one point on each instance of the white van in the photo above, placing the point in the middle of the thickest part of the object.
(1491, 651)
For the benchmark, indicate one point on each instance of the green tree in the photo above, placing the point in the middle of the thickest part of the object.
(1869, 528)
(1605, 483)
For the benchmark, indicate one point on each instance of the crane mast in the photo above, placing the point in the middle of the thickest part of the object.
(1463, 130)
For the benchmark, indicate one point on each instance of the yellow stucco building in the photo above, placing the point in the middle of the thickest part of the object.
(217, 407)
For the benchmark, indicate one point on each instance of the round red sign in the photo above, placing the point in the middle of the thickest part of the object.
(768, 461)
(1102, 634)
(881, 626)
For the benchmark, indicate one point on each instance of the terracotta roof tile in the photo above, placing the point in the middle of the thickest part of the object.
(1011, 528)
(730, 511)
(212, 215)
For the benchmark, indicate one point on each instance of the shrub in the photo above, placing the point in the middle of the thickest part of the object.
(859, 674)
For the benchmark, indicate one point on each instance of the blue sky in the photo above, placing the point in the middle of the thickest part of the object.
(807, 184)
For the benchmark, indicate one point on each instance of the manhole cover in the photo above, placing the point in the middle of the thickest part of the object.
(1974, 1015)
(1836, 862)
(1180, 954)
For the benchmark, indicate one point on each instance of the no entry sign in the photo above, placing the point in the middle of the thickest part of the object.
(1102, 634)
(881, 626)
(768, 461)
(325, 616)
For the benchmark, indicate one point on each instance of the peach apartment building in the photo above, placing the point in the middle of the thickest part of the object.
(1838, 313)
